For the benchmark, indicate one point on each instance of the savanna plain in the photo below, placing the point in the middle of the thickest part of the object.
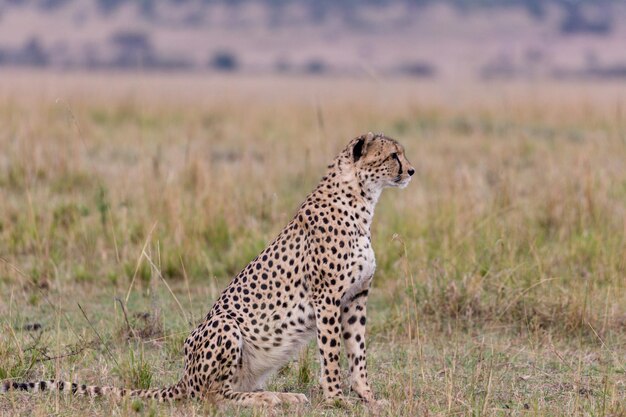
(127, 202)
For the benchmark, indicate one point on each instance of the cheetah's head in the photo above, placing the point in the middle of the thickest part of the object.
(380, 161)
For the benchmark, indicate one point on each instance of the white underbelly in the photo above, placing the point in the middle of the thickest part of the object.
(261, 361)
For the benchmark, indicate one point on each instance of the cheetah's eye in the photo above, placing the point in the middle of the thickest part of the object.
(394, 155)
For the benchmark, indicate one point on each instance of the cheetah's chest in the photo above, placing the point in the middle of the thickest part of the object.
(365, 266)
(365, 257)
(368, 262)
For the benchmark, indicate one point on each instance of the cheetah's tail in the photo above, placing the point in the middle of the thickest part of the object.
(172, 393)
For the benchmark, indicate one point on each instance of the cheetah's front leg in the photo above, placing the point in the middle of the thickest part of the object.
(327, 318)
(353, 319)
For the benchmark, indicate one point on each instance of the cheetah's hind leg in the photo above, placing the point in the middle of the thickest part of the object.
(220, 369)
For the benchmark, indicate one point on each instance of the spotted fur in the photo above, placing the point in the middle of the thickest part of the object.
(312, 280)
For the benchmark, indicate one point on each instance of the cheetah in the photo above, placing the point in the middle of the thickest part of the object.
(312, 280)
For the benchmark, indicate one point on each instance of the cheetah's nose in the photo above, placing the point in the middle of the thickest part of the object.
(411, 171)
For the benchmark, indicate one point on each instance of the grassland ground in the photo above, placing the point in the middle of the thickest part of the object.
(128, 202)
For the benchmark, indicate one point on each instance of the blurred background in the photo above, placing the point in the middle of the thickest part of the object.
(486, 39)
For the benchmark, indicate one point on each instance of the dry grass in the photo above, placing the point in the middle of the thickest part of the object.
(500, 286)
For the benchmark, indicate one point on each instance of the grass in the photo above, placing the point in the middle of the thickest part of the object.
(500, 287)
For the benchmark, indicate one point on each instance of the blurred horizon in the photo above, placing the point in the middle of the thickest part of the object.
(508, 39)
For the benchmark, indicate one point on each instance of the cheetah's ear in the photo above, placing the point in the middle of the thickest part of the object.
(360, 147)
